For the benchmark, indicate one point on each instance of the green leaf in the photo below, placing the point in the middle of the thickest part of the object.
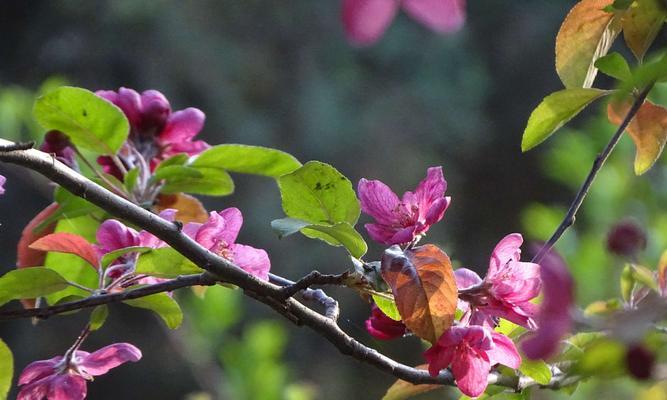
(248, 160)
(536, 369)
(554, 111)
(29, 283)
(627, 283)
(111, 256)
(69, 206)
(319, 194)
(178, 159)
(206, 181)
(388, 307)
(6, 369)
(615, 66)
(644, 276)
(340, 234)
(604, 358)
(90, 121)
(163, 305)
(98, 317)
(131, 179)
(176, 172)
(165, 263)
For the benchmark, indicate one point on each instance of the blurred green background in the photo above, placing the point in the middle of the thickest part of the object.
(281, 74)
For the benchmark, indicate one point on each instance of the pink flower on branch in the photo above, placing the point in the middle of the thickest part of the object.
(365, 21)
(380, 326)
(506, 290)
(400, 221)
(555, 315)
(64, 377)
(218, 235)
(2, 184)
(471, 352)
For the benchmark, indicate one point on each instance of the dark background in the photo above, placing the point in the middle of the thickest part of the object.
(280, 74)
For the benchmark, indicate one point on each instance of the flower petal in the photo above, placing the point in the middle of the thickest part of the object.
(442, 16)
(471, 371)
(37, 390)
(380, 233)
(2, 184)
(147, 239)
(113, 235)
(233, 221)
(67, 387)
(366, 20)
(38, 370)
(466, 278)
(254, 261)
(378, 201)
(106, 358)
(380, 326)
(430, 189)
(508, 249)
(182, 126)
(129, 101)
(438, 358)
(503, 351)
(437, 210)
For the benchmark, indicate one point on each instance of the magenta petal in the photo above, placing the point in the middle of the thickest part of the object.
(380, 326)
(233, 221)
(471, 371)
(438, 358)
(431, 188)
(67, 387)
(147, 239)
(404, 235)
(182, 126)
(130, 102)
(378, 201)
(437, 210)
(503, 351)
(254, 261)
(466, 278)
(37, 390)
(210, 233)
(442, 16)
(38, 370)
(508, 249)
(113, 235)
(2, 184)
(106, 358)
(380, 233)
(366, 20)
(190, 148)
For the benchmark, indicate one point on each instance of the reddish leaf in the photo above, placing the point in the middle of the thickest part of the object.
(641, 24)
(189, 208)
(648, 130)
(27, 257)
(586, 34)
(402, 390)
(70, 243)
(424, 288)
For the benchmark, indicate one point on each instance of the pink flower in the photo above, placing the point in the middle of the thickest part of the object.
(471, 351)
(365, 21)
(155, 131)
(380, 326)
(401, 221)
(505, 292)
(58, 144)
(2, 184)
(57, 379)
(554, 318)
(218, 235)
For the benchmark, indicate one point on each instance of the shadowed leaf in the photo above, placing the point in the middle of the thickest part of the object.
(424, 288)
(586, 34)
(29, 283)
(163, 305)
(340, 234)
(63, 242)
(189, 208)
(648, 130)
(641, 24)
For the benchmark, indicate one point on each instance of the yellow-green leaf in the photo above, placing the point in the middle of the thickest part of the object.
(6, 369)
(387, 306)
(554, 111)
(641, 24)
(163, 305)
(648, 130)
(586, 34)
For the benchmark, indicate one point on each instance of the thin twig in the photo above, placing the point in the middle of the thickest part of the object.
(313, 278)
(570, 217)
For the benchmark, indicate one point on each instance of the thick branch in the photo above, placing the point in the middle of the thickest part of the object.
(601, 158)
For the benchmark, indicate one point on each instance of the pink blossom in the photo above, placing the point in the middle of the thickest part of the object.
(471, 351)
(2, 184)
(401, 221)
(218, 235)
(58, 144)
(507, 289)
(365, 21)
(155, 131)
(380, 326)
(554, 318)
(57, 379)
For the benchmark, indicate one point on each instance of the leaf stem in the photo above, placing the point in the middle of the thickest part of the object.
(601, 158)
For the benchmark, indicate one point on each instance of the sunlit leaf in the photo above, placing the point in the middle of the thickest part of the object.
(163, 305)
(554, 111)
(111, 256)
(644, 276)
(641, 24)
(615, 66)
(402, 390)
(130, 179)
(29, 283)
(387, 306)
(339, 234)
(586, 34)
(627, 283)
(6, 369)
(90, 122)
(69, 243)
(536, 369)
(98, 317)
(648, 130)
(188, 208)
(248, 159)
(200, 180)
(604, 358)
(424, 288)
(165, 263)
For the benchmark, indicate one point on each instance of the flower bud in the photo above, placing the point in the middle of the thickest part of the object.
(58, 144)
(626, 238)
(639, 361)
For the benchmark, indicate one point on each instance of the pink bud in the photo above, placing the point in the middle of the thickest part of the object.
(626, 238)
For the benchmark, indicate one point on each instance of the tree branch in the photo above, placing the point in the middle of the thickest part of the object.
(601, 158)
